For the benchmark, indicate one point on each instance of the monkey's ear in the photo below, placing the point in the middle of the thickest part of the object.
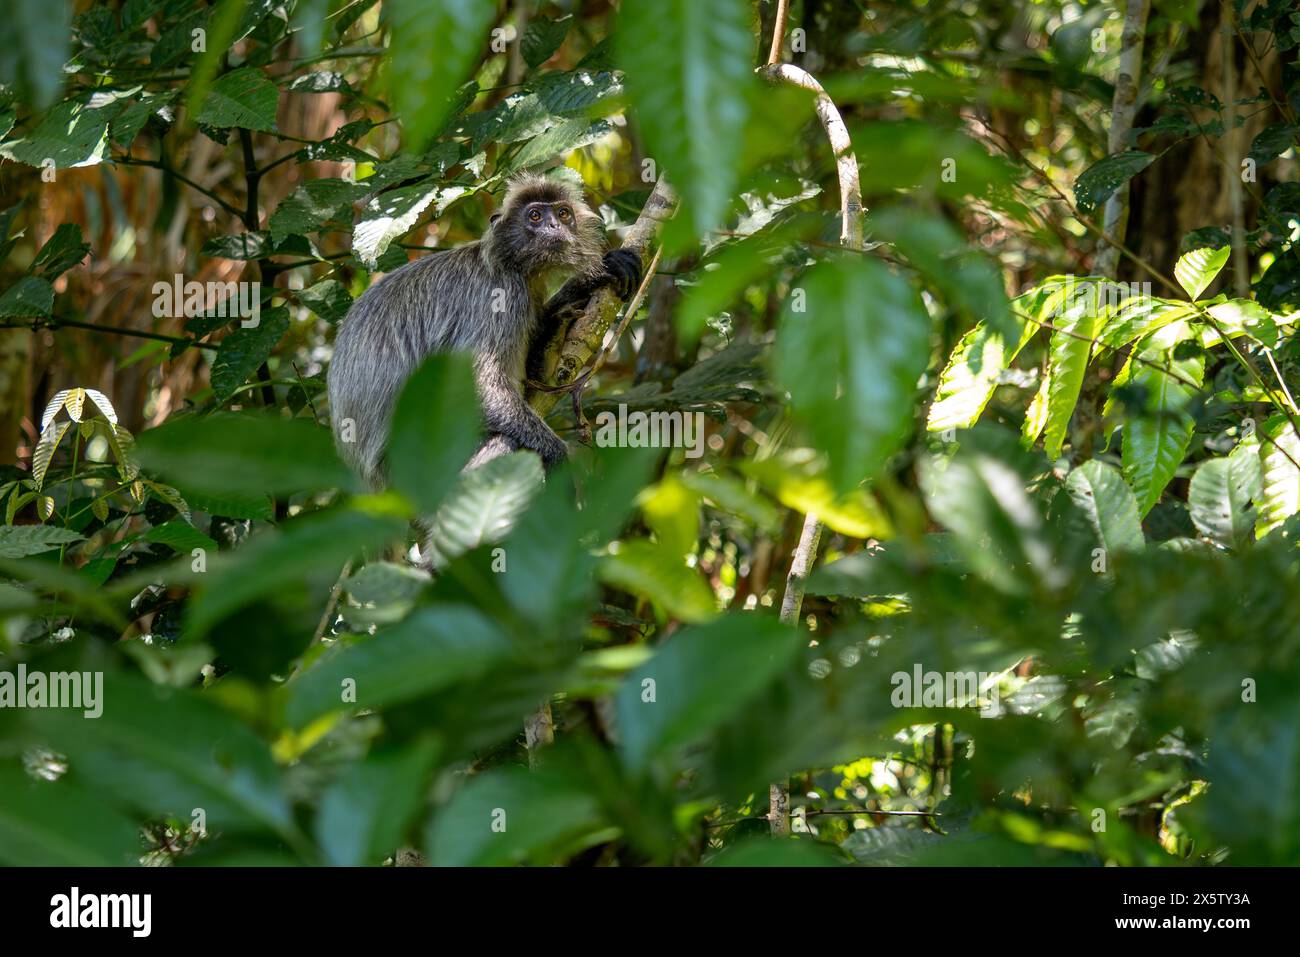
(493, 218)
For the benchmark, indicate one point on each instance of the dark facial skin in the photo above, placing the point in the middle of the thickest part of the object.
(550, 224)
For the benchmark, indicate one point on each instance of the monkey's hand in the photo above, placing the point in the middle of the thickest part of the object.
(623, 271)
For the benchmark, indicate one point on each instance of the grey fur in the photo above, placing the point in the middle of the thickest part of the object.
(445, 302)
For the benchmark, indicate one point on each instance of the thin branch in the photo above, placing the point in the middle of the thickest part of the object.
(851, 237)
(54, 323)
(778, 32)
(1123, 109)
(155, 164)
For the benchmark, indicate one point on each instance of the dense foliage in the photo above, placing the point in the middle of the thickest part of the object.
(1081, 489)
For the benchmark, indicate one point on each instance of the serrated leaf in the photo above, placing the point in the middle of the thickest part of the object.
(19, 541)
(689, 67)
(61, 252)
(244, 350)
(30, 297)
(968, 380)
(391, 215)
(1101, 494)
(328, 298)
(1279, 494)
(71, 134)
(313, 206)
(1096, 184)
(542, 38)
(242, 98)
(44, 451)
(1157, 436)
(1221, 493)
(483, 508)
(1195, 270)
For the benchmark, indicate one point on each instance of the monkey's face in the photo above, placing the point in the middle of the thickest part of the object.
(551, 228)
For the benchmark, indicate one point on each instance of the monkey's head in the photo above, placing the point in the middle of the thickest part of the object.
(545, 225)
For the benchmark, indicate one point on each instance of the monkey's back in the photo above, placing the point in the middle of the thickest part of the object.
(456, 300)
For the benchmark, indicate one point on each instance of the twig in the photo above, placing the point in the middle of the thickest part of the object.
(851, 237)
(54, 323)
(1123, 108)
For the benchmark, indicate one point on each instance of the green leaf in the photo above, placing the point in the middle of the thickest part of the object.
(244, 350)
(1101, 494)
(1096, 184)
(317, 544)
(171, 753)
(559, 140)
(243, 98)
(1195, 270)
(1069, 351)
(328, 298)
(1221, 493)
(1272, 142)
(1140, 316)
(57, 824)
(433, 649)
(661, 575)
(542, 38)
(33, 58)
(71, 134)
(852, 371)
(364, 814)
(432, 50)
(313, 205)
(733, 496)
(435, 430)
(180, 536)
(19, 541)
(61, 252)
(29, 297)
(966, 278)
(700, 678)
(242, 454)
(484, 506)
(1279, 494)
(390, 215)
(689, 68)
(972, 373)
(1157, 436)
(998, 530)
(512, 815)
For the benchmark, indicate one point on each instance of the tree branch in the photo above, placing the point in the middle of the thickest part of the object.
(1123, 109)
(851, 237)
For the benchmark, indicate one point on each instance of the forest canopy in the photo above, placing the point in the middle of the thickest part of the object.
(933, 499)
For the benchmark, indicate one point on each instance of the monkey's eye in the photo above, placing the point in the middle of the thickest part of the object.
(534, 216)
(565, 214)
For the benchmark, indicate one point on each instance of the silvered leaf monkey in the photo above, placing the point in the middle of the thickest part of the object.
(485, 298)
